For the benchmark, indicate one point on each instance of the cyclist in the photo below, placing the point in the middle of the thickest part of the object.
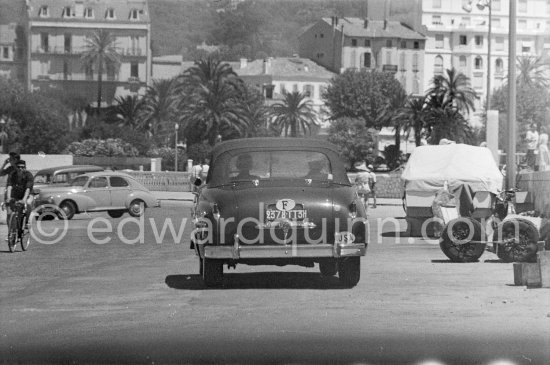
(20, 184)
(9, 166)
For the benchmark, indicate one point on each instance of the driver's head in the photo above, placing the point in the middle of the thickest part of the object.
(244, 162)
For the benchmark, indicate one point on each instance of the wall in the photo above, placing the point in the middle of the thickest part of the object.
(538, 184)
(36, 162)
(388, 185)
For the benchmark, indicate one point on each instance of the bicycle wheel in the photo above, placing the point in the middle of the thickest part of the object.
(12, 233)
(25, 237)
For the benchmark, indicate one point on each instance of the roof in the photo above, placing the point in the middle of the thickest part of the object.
(121, 8)
(272, 142)
(285, 68)
(169, 59)
(355, 27)
(12, 11)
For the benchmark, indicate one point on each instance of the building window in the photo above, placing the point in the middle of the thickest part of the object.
(44, 42)
(436, 20)
(495, 5)
(404, 44)
(366, 60)
(478, 81)
(495, 23)
(88, 13)
(134, 14)
(525, 49)
(68, 43)
(439, 41)
(282, 89)
(465, 21)
(388, 43)
(478, 63)
(522, 24)
(499, 43)
(308, 91)
(438, 65)
(5, 53)
(499, 66)
(388, 58)
(43, 12)
(110, 13)
(462, 61)
(66, 70)
(479, 40)
(416, 45)
(354, 42)
(367, 42)
(44, 68)
(462, 40)
(437, 4)
(89, 72)
(416, 86)
(402, 61)
(134, 70)
(67, 12)
(110, 72)
(522, 6)
(321, 35)
(415, 62)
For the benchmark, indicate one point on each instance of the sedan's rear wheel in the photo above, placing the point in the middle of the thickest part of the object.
(349, 271)
(137, 208)
(212, 272)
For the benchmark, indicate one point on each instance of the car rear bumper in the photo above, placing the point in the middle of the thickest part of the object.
(238, 251)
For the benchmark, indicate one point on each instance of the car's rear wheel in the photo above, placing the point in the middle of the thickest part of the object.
(68, 208)
(328, 267)
(516, 245)
(137, 208)
(115, 213)
(212, 272)
(453, 240)
(349, 271)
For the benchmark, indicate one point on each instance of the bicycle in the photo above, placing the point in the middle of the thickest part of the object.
(18, 226)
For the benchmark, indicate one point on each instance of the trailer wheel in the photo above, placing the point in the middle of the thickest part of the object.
(516, 241)
(453, 240)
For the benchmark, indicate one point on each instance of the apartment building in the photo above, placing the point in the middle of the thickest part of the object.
(458, 38)
(386, 45)
(57, 32)
(13, 40)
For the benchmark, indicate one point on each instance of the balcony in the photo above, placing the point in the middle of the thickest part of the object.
(133, 79)
(132, 52)
(59, 50)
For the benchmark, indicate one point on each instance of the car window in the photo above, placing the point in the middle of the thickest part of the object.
(42, 178)
(277, 165)
(61, 179)
(117, 182)
(98, 182)
(80, 181)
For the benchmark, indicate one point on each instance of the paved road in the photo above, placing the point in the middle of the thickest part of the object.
(81, 302)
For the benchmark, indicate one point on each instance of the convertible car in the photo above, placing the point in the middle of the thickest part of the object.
(278, 201)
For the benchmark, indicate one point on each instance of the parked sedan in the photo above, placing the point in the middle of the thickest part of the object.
(278, 201)
(113, 192)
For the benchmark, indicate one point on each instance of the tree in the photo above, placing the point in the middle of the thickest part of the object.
(413, 117)
(533, 71)
(295, 113)
(452, 90)
(355, 140)
(448, 122)
(126, 112)
(391, 115)
(100, 51)
(159, 109)
(210, 100)
(361, 94)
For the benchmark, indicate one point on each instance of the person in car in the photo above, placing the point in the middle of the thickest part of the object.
(244, 164)
(316, 170)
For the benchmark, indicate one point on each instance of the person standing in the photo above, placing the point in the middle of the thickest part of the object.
(362, 184)
(372, 184)
(544, 155)
(196, 171)
(532, 140)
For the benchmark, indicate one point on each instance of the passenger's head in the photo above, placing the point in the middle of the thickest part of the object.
(244, 162)
(316, 165)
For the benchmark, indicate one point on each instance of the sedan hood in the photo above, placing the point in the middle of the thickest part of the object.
(57, 190)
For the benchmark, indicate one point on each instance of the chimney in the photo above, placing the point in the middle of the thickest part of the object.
(244, 63)
(267, 66)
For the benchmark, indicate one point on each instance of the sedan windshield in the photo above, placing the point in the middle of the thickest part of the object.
(273, 165)
(79, 181)
(43, 178)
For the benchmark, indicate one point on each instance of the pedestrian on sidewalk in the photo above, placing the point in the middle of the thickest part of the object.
(372, 185)
(532, 141)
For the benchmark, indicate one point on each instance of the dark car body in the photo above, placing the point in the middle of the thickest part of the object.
(295, 205)
(61, 175)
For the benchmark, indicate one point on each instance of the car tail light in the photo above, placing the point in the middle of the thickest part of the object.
(353, 210)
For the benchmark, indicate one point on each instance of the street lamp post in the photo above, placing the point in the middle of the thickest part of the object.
(511, 152)
(177, 126)
(481, 5)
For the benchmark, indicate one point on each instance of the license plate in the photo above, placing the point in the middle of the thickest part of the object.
(298, 213)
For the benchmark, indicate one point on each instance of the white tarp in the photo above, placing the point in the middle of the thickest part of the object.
(430, 166)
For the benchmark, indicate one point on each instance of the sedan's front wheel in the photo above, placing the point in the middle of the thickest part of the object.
(137, 208)
(68, 210)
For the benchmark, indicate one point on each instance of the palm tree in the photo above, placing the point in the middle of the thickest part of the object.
(126, 112)
(413, 117)
(391, 115)
(159, 109)
(533, 72)
(453, 89)
(211, 101)
(447, 122)
(100, 51)
(294, 112)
